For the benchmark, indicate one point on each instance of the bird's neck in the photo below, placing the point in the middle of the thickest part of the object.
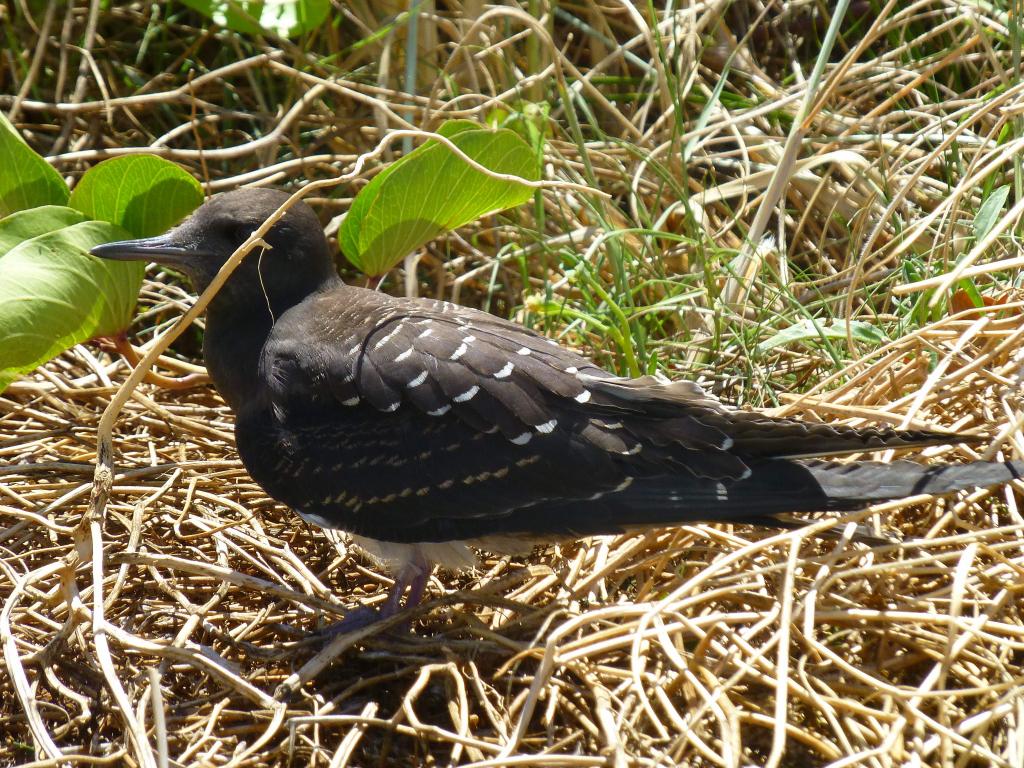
(237, 328)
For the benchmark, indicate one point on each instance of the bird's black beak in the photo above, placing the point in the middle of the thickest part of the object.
(161, 249)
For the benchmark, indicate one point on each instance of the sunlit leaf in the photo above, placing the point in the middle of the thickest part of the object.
(54, 295)
(26, 179)
(988, 213)
(144, 194)
(284, 18)
(432, 190)
(531, 120)
(24, 225)
(808, 330)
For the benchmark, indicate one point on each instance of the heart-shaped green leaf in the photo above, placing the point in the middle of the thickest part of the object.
(432, 190)
(26, 180)
(144, 194)
(54, 295)
(24, 225)
(285, 18)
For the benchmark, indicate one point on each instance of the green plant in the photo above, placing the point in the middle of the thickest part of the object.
(432, 190)
(53, 294)
(287, 18)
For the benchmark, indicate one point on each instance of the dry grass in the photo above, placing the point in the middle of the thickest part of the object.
(165, 617)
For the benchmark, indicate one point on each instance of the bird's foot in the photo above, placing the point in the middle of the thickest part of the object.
(356, 619)
(415, 579)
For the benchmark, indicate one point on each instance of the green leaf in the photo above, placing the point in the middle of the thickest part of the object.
(348, 235)
(144, 194)
(24, 225)
(432, 190)
(54, 295)
(988, 213)
(284, 18)
(810, 330)
(27, 180)
(531, 120)
(452, 128)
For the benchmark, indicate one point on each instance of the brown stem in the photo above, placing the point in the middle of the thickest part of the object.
(121, 344)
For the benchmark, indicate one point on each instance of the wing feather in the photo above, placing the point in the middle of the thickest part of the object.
(498, 378)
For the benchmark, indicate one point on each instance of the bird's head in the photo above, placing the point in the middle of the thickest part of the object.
(297, 263)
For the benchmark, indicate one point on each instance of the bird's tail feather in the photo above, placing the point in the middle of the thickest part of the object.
(775, 488)
(866, 482)
(649, 402)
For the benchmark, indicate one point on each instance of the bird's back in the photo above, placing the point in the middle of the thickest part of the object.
(422, 421)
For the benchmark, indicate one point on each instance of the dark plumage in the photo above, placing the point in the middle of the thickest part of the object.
(419, 423)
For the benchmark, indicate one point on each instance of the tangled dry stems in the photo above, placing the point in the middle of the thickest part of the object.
(176, 623)
(688, 646)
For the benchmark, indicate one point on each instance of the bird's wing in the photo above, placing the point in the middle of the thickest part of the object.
(378, 427)
(498, 377)
(426, 421)
(492, 373)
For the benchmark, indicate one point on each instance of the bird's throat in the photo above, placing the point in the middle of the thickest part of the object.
(232, 347)
(239, 320)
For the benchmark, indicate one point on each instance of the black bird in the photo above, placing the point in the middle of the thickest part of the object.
(424, 428)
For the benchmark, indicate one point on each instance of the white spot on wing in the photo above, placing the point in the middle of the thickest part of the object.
(462, 349)
(523, 439)
(506, 371)
(418, 380)
(404, 355)
(388, 337)
(440, 411)
(572, 369)
(633, 451)
(391, 408)
(351, 401)
(547, 426)
(583, 396)
(620, 487)
(524, 351)
(469, 394)
(425, 333)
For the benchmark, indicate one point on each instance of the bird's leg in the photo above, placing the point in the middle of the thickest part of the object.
(412, 576)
